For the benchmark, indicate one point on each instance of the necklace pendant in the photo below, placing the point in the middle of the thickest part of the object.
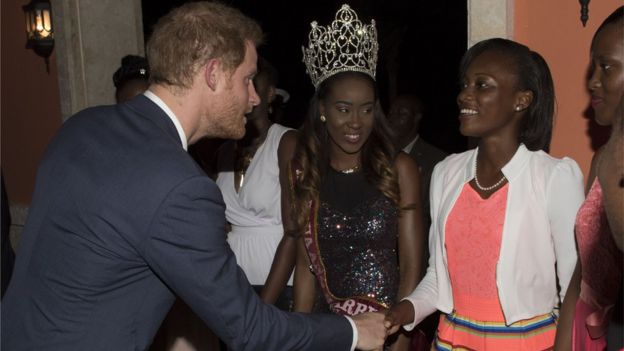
(349, 170)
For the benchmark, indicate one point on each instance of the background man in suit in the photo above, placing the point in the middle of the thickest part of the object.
(406, 113)
(122, 218)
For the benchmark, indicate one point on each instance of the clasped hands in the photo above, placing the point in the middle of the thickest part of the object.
(374, 327)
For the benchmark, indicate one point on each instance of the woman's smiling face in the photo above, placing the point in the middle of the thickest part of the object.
(348, 109)
(488, 97)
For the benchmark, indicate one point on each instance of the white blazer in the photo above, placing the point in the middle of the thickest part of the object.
(537, 245)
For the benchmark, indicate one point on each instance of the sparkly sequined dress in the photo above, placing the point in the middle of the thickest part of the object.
(352, 244)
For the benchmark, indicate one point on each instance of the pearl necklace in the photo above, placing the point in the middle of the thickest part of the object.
(486, 188)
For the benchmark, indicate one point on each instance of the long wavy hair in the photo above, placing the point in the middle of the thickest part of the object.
(311, 160)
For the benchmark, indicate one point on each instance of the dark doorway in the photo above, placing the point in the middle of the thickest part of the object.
(430, 36)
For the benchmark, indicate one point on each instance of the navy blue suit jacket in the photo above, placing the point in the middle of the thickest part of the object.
(121, 220)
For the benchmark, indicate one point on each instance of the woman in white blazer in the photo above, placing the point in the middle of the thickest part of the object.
(502, 241)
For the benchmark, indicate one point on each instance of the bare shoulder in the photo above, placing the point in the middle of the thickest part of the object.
(405, 165)
(289, 139)
(287, 144)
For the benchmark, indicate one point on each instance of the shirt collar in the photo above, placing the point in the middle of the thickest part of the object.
(150, 95)
(408, 148)
(511, 170)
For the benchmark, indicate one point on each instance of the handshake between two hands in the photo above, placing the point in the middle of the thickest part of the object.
(374, 327)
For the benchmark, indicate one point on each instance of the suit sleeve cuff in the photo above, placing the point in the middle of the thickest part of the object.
(355, 333)
(411, 326)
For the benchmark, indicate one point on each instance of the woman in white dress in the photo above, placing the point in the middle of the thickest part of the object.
(251, 171)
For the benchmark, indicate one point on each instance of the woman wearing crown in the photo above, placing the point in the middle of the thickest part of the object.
(354, 200)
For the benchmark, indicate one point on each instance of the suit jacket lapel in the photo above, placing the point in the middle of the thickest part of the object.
(416, 148)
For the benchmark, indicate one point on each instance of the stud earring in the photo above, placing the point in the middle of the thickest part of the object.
(517, 108)
(323, 119)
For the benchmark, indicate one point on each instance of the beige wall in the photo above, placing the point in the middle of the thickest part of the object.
(30, 110)
(553, 29)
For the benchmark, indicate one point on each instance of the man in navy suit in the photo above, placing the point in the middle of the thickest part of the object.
(122, 218)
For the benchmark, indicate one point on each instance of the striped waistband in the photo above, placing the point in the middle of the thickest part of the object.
(523, 326)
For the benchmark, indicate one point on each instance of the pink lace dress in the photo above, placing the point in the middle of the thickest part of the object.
(601, 272)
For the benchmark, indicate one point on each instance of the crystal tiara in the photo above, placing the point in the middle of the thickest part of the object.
(346, 45)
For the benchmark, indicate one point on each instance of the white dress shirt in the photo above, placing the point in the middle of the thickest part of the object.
(171, 115)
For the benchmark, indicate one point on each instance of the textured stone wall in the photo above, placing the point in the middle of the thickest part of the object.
(489, 19)
(92, 37)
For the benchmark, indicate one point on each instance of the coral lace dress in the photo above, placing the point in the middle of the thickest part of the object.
(473, 239)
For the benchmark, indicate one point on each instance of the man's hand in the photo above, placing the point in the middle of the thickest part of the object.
(400, 314)
(371, 331)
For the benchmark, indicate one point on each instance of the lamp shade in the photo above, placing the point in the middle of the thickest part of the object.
(39, 28)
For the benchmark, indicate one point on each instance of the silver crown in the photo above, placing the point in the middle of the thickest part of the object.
(345, 45)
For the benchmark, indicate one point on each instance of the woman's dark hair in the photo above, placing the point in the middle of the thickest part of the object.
(533, 74)
(265, 68)
(616, 16)
(132, 67)
(311, 159)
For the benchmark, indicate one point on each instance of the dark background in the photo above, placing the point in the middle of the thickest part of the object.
(431, 37)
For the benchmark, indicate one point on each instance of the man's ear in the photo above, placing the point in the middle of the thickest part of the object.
(212, 73)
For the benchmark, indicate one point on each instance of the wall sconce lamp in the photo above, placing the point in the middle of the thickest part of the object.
(39, 30)
(584, 11)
